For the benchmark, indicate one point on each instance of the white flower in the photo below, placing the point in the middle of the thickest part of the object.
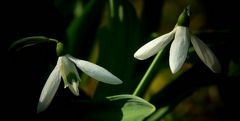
(181, 37)
(66, 69)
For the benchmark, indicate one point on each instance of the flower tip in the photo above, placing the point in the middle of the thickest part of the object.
(114, 81)
(118, 81)
(216, 68)
(75, 88)
(41, 107)
(77, 94)
(175, 67)
(173, 71)
(139, 56)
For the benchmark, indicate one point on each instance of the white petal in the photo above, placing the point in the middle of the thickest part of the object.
(95, 71)
(154, 46)
(50, 88)
(179, 48)
(70, 75)
(74, 88)
(205, 54)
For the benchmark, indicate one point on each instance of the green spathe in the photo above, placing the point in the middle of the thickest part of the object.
(183, 19)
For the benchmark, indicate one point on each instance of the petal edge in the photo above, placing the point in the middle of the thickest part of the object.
(97, 72)
(205, 54)
(50, 88)
(154, 46)
(179, 48)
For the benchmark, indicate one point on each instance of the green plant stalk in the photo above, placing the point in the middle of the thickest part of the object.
(147, 78)
(159, 114)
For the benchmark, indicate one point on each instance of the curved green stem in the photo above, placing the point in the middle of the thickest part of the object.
(147, 78)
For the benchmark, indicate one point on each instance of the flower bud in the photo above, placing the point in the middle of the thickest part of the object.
(60, 49)
(184, 18)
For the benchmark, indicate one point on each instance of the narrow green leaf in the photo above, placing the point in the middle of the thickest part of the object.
(81, 31)
(117, 43)
(29, 41)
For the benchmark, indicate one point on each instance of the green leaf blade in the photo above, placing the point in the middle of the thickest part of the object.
(134, 108)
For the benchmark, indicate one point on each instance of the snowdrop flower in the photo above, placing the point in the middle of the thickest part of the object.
(181, 36)
(66, 68)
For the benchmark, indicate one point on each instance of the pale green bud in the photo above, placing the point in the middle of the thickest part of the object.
(184, 18)
(60, 49)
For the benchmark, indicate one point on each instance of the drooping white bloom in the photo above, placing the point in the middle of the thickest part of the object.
(66, 69)
(181, 37)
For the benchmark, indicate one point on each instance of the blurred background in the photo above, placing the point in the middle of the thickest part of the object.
(108, 33)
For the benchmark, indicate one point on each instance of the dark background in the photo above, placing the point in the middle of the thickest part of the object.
(24, 18)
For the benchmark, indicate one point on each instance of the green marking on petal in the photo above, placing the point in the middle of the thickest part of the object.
(71, 77)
